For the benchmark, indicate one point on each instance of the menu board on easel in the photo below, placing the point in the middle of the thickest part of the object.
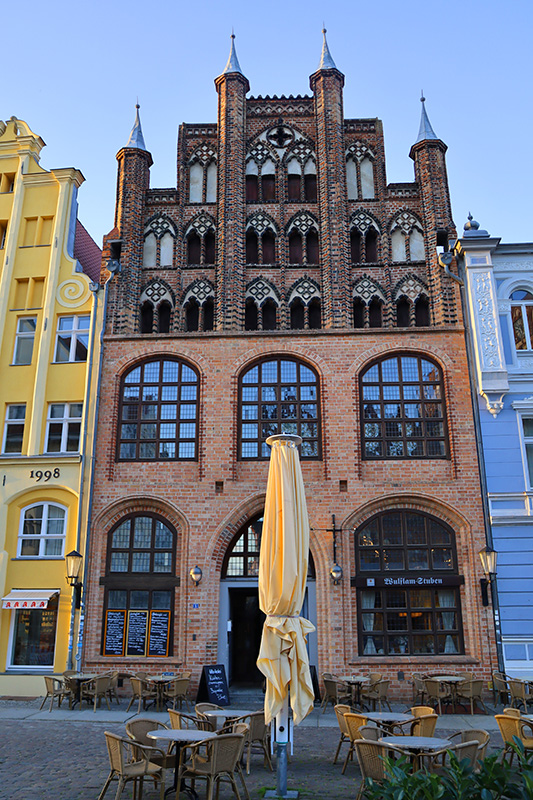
(213, 685)
(159, 633)
(137, 626)
(115, 629)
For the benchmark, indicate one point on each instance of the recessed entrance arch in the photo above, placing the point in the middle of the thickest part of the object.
(240, 618)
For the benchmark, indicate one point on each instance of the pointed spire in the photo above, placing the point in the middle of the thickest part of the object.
(326, 61)
(233, 62)
(136, 136)
(425, 131)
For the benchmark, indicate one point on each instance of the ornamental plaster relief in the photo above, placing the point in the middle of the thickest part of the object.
(484, 304)
(515, 266)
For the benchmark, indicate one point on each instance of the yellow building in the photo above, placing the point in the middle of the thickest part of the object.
(49, 268)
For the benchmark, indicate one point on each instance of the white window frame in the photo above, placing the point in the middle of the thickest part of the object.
(74, 332)
(64, 421)
(20, 335)
(10, 667)
(43, 536)
(12, 421)
(522, 305)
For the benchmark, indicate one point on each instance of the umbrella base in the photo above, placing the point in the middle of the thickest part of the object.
(291, 794)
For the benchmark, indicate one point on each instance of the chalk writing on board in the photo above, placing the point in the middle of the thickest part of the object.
(137, 624)
(159, 630)
(114, 633)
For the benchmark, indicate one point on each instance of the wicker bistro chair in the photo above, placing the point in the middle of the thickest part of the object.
(142, 691)
(184, 722)
(424, 726)
(437, 693)
(377, 693)
(435, 762)
(470, 690)
(511, 726)
(519, 693)
(176, 691)
(419, 689)
(512, 712)
(223, 755)
(209, 722)
(421, 711)
(371, 757)
(130, 762)
(500, 690)
(94, 690)
(55, 688)
(370, 732)
(113, 685)
(353, 724)
(256, 739)
(138, 728)
(340, 710)
(335, 691)
(470, 735)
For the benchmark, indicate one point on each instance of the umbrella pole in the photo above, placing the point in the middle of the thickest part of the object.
(282, 740)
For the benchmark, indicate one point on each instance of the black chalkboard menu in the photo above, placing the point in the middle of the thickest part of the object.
(137, 625)
(159, 633)
(213, 686)
(115, 628)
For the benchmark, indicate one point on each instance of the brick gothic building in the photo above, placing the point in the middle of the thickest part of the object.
(283, 285)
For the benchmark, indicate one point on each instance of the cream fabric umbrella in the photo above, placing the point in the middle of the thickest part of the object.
(283, 564)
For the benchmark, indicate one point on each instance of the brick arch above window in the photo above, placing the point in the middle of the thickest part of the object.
(403, 409)
(159, 224)
(261, 222)
(201, 289)
(304, 288)
(156, 291)
(260, 290)
(278, 394)
(159, 411)
(412, 287)
(366, 288)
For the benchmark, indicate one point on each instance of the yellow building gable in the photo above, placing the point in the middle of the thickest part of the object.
(47, 327)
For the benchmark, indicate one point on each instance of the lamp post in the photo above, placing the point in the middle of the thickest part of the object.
(488, 558)
(73, 560)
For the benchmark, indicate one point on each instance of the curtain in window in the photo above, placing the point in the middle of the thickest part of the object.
(368, 601)
(447, 600)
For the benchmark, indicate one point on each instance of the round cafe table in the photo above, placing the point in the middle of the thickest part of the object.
(180, 737)
(355, 682)
(416, 745)
(453, 681)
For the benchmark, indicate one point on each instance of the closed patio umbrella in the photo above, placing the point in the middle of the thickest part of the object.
(283, 565)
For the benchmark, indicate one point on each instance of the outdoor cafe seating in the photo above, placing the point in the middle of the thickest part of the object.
(175, 691)
(55, 688)
(130, 761)
(137, 729)
(142, 691)
(220, 764)
(95, 690)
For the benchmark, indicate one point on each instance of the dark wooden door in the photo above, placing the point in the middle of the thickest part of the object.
(245, 637)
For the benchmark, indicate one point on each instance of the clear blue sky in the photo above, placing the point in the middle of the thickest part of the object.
(73, 72)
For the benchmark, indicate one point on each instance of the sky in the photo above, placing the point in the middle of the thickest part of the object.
(76, 70)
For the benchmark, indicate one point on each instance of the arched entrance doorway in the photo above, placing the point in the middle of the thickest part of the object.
(240, 618)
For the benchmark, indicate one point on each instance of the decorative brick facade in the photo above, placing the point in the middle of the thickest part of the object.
(209, 498)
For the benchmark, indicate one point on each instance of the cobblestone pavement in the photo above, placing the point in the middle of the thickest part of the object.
(43, 757)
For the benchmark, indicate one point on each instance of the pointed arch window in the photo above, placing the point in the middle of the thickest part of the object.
(278, 395)
(364, 239)
(158, 414)
(400, 614)
(260, 180)
(403, 409)
(203, 176)
(360, 172)
(303, 240)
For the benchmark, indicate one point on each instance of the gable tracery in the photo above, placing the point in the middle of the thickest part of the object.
(305, 289)
(407, 238)
(360, 171)
(366, 289)
(158, 247)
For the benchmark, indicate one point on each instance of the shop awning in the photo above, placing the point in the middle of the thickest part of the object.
(28, 598)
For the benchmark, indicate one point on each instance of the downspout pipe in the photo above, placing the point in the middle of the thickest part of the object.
(445, 259)
(94, 287)
(113, 267)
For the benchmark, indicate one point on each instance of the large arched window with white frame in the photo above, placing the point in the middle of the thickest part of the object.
(42, 532)
(278, 395)
(408, 595)
(403, 410)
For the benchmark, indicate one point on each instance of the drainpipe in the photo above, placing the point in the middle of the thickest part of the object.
(445, 259)
(113, 267)
(94, 287)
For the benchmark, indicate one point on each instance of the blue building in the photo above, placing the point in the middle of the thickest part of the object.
(499, 295)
